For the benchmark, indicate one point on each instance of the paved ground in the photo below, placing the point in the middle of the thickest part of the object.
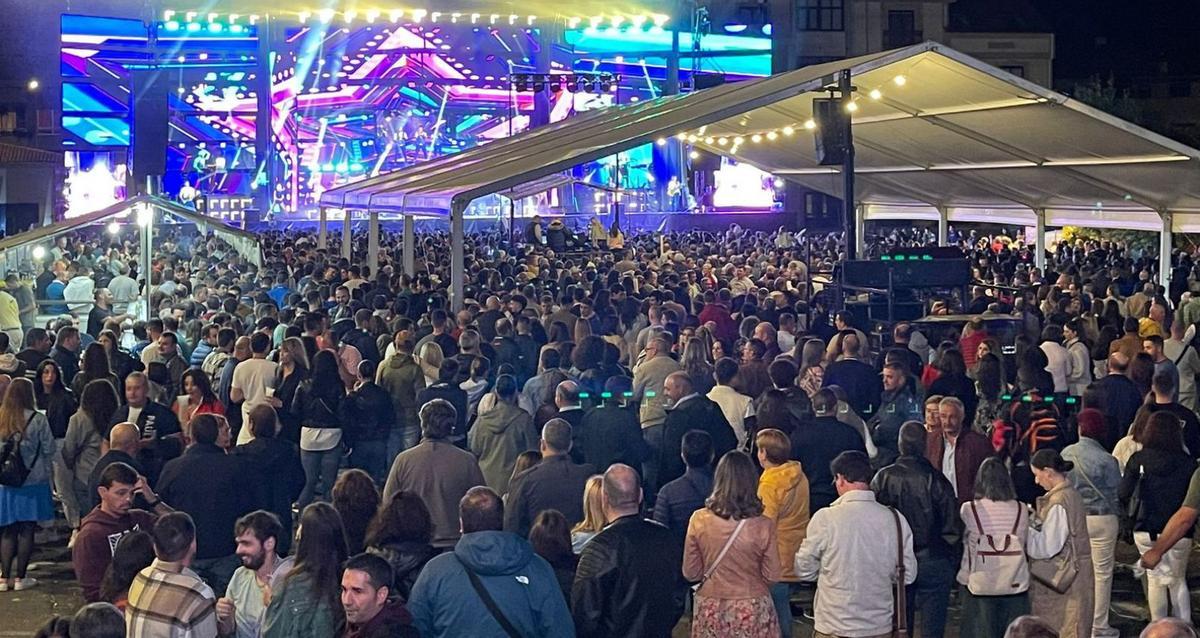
(57, 593)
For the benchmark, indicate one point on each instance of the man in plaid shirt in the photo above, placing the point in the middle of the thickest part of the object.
(168, 600)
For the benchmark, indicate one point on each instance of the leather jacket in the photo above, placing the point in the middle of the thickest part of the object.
(926, 499)
(628, 582)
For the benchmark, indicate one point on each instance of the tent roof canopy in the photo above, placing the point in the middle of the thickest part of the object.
(934, 128)
(244, 242)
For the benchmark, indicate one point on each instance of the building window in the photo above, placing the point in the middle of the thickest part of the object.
(1016, 69)
(901, 30)
(819, 15)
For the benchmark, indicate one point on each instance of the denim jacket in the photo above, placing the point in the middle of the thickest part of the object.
(1096, 476)
(37, 446)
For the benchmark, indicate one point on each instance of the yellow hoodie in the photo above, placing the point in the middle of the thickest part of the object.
(784, 493)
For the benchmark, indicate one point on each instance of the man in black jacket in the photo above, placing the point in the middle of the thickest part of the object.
(215, 503)
(161, 436)
(816, 443)
(1119, 399)
(275, 465)
(859, 380)
(690, 411)
(926, 499)
(507, 350)
(555, 483)
(628, 582)
(610, 432)
(679, 499)
(369, 417)
(447, 389)
(360, 336)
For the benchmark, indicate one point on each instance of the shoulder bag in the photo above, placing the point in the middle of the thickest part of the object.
(724, 550)
(1059, 571)
(489, 602)
(13, 470)
(901, 622)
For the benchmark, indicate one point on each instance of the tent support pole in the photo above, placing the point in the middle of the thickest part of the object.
(943, 236)
(410, 247)
(373, 241)
(457, 267)
(860, 231)
(147, 250)
(347, 219)
(322, 227)
(1039, 257)
(1165, 246)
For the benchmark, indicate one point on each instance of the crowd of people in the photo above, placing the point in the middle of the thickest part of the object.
(600, 442)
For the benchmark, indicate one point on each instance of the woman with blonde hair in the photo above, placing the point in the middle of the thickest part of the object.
(783, 488)
(21, 508)
(731, 550)
(430, 358)
(593, 514)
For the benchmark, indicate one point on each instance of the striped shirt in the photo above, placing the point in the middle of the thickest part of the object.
(168, 600)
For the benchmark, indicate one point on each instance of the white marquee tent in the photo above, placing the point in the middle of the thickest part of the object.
(938, 136)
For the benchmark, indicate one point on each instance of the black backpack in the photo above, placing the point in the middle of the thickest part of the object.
(13, 470)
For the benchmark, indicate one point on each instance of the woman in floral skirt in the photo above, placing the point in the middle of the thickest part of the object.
(731, 551)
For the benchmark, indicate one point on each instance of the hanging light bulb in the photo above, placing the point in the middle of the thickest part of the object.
(809, 125)
(789, 130)
(875, 94)
(852, 106)
(756, 138)
(900, 80)
(772, 136)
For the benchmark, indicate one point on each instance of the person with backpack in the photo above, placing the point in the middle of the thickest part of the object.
(26, 448)
(994, 573)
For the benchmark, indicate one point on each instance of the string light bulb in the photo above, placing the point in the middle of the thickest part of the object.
(852, 106)
(756, 138)
(900, 80)
(789, 130)
(875, 94)
(809, 125)
(772, 136)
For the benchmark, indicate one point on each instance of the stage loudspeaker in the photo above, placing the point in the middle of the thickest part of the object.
(702, 81)
(150, 123)
(833, 127)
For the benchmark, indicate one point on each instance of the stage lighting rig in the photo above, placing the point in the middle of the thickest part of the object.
(555, 82)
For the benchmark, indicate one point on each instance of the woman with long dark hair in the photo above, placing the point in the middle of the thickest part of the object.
(198, 398)
(550, 537)
(953, 382)
(21, 508)
(356, 499)
(996, 513)
(400, 534)
(990, 385)
(95, 366)
(133, 553)
(308, 603)
(81, 447)
(119, 360)
(734, 598)
(1160, 473)
(53, 397)
(293, 370)
(318, 400)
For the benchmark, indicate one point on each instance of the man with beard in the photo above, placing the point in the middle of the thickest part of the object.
(262, 570)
